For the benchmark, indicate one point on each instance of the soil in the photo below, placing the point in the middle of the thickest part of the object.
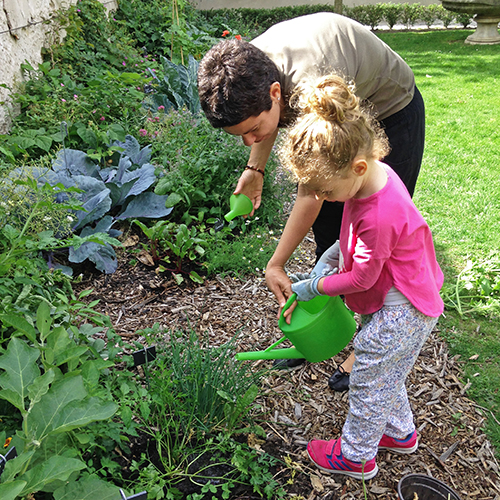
(453, 445)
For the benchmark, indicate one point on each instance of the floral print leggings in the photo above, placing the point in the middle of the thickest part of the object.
(386, 349)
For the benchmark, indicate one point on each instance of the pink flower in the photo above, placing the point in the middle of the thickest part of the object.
(161, 108)
(124, 63)
(102, 118)
(143, 132)
(75, 97)
(63, 100)
(62, 84)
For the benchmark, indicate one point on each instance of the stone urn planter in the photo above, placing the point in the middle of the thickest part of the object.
(487, 17)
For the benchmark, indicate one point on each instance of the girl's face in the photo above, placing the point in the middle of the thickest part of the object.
(341, 188)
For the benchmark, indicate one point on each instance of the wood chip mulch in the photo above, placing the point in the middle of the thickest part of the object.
(297, 402)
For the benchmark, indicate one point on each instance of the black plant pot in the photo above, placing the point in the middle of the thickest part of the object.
(426, 488)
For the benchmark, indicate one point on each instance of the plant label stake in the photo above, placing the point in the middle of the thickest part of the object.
(144, 355)
(218, 225)
(12, 453)
(138, 496)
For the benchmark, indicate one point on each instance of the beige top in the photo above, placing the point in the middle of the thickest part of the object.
(323, 43)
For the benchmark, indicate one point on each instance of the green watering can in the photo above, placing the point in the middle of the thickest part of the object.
(240, 205)
(319, 329)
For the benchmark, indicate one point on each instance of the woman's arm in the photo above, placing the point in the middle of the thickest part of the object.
(302, 217)
(251, 182)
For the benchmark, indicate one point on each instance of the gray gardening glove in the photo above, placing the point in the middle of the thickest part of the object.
(306, 289)
(328, 263)
(294, 277)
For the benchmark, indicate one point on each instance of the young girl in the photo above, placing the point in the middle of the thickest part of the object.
(387, 270)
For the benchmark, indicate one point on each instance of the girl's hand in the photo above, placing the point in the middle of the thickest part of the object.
(307, 289)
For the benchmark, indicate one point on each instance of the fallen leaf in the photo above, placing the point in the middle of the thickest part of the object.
(316, 483)
(145, 258)
(378, 490)
(254, 442)
(131, 241)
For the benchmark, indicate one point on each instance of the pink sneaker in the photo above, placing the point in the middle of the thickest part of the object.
(327, 455)
(407, 445)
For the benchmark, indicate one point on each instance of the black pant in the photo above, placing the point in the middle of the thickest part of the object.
(406, 133)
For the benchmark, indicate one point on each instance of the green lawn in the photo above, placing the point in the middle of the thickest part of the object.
(459, 186)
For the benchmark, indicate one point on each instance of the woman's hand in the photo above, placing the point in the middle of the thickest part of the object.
(250, 184)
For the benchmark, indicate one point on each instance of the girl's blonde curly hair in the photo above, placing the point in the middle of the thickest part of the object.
(332, 128)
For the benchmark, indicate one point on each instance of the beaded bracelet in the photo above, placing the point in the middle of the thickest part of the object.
(254, 168)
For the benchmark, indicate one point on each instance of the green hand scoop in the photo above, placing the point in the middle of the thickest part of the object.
(240, 205)
(319, 329)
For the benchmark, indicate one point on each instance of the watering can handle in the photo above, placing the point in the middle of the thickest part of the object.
(289, 302)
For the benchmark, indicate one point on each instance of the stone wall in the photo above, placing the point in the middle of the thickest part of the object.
(23, 32)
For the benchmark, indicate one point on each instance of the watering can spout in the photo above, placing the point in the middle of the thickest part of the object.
(286, 353)
(240, 205)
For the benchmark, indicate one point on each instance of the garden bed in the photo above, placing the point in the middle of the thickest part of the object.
(453, 445)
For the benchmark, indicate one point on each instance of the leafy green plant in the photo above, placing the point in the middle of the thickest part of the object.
(93, 114)
(176, 244)
(477, 287)
(18, 245)
(107, 195)
(464, 19)
(358, 13)
(177, 89)
(241, 255)
(199, 399)
(216, 390)
(200, 166)
(94, 43)
(39, 380)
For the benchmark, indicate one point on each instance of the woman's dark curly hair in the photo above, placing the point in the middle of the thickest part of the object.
(234, 81)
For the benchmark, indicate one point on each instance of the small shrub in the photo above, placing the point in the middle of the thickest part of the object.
(410, 14)
(374, 15)
(429, 14)
(358, 13)
(445, 16)
(392, 13)
(464, 19)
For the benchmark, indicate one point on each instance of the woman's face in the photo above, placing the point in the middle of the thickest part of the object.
(257, 128)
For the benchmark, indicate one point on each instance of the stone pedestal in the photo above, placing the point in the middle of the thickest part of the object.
(486, 32)
(487, 17)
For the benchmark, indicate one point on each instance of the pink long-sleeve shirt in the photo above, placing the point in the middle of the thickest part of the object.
(385, 242)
